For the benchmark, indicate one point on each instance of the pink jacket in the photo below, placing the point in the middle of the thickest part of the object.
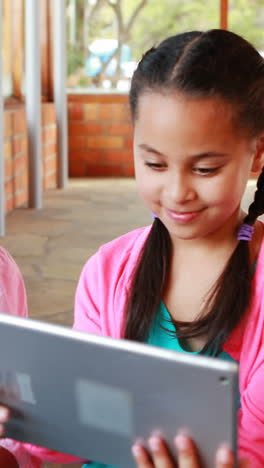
(12, 291)
(99, 309)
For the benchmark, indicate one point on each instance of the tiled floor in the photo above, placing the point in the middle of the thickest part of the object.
(51, 245)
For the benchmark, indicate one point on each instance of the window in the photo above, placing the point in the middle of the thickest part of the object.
(106, 38)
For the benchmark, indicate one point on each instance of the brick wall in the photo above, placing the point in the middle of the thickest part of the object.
(100, 136)
(16, 154)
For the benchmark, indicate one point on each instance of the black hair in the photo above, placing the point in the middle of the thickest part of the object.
(215, 63)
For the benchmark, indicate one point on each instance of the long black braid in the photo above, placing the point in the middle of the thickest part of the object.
(256, 208)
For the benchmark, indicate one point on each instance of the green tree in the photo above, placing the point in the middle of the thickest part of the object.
(161, 19)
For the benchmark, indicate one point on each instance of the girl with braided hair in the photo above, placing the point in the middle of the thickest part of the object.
(193, 281)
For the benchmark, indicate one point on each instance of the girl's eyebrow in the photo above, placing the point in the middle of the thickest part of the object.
(149, 149)
(208, 154)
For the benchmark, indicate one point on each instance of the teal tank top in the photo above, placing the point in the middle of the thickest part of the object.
(159, 335)
(162, 334)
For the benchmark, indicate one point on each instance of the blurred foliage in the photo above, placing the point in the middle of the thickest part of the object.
(162, 19)
(246, 17)
(75, 58)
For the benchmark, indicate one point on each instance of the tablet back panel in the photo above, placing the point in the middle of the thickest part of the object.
(93, 397)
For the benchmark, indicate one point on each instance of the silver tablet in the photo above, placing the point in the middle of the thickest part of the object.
(93, 397)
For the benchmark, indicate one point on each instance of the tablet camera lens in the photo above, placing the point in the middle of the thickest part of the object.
(223, 380)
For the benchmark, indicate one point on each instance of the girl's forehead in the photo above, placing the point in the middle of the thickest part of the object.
(171, 110)
(164, 108)
(176, 101)
(169, 120)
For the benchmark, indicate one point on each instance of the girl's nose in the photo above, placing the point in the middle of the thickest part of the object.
(180, 189)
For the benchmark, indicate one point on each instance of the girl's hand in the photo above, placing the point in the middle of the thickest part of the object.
(7, 459)
(158, 455)
(4, 417)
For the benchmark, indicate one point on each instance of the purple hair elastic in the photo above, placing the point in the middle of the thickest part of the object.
(245, 232)
(153, 215)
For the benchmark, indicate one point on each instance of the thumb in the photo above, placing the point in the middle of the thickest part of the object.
(243, 463)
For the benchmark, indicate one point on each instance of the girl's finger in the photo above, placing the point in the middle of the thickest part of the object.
(141, 456)
(160, 453)
(224, 458)
(2, 430)
(243, 463)
(4, 414)
(187, 453)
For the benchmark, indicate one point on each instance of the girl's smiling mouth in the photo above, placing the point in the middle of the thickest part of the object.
(183, 216)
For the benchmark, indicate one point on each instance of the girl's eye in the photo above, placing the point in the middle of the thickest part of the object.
(155, 166)
(205, 170)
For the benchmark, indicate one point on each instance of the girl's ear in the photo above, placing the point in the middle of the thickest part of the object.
(258, 161)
